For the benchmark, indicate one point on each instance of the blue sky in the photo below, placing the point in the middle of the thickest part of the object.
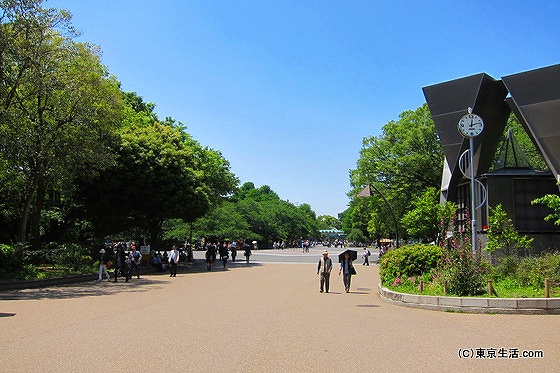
(287, 90)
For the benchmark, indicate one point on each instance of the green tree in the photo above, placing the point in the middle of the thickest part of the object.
(531, 152)
(426, 219)
(357, 216)
(552, 201)
(257, 214)
(58, 108)
(402, 163)
(161, 173)
(223, 222)
(328, 222)
(356, 235)
(502, 234)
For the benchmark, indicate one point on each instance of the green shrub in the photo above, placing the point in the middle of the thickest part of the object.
(552, 266)
(466, 273)
(7, 254)
(408, 261)
(507, 266)
(11, 257)
(532, 271)
(74, 256)
(28, 272)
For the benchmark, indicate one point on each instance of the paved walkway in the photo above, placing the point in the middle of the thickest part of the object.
(256, 318)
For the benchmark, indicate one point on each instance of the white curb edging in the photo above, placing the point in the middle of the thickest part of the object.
(530, 306)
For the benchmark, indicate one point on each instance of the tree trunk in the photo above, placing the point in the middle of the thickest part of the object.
(36, 216)
(22, 233)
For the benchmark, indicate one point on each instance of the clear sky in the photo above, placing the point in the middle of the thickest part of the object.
(287, 90)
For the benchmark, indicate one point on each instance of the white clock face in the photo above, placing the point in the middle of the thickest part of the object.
(470, 125)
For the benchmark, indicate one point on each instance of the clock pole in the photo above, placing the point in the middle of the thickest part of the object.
(471, 125)
(473, 191)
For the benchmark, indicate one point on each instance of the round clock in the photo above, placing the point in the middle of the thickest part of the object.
(470, 125)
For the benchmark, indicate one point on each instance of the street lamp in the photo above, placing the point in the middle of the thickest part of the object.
(367, 193)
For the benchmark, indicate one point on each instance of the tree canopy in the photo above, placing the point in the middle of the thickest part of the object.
(401, 163)
(256, 214)
(58, 108)
(82, 160)
(161, 173)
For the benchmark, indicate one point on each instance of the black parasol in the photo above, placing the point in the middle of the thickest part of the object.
(352, 255)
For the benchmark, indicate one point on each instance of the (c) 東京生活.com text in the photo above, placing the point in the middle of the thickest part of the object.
(499, 353)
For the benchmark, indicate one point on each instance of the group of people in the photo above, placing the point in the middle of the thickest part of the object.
(324, 268)
(224, 248)
(126, 262)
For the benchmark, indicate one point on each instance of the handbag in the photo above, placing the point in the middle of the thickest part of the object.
(352, 271)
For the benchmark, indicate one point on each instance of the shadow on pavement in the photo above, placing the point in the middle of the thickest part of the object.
(87, 289)
(148, 276)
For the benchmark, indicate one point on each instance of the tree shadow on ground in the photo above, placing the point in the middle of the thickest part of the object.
(150, 279)
(83, 289)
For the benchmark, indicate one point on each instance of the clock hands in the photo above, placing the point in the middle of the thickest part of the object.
(471, 125)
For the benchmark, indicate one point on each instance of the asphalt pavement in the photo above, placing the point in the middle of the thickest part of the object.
(265, 316)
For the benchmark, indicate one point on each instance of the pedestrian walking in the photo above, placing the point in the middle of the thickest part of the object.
(135, 261)
(210, 255)
(173, 260)
(233, 249)
(224, 254)
(247, 249)
(103, 261)
(188, 250)
(324, 268)
(366, 256)
(122, 263)
(347, 270)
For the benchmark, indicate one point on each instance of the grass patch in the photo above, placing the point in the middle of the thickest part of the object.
(505, 289)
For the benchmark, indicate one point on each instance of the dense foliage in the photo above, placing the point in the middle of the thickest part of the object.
(502, 235)
(409, 261)
(58, 108)
(82, 162)
(161, 173)
(532, 271)
(401, 163)
(252, 213)
(428, 219)
(464, 272)
(528, 148)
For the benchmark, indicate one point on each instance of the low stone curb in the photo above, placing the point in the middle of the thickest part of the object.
(18, 285)
(526, 306)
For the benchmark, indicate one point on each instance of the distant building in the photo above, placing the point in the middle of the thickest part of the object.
(332, 234)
